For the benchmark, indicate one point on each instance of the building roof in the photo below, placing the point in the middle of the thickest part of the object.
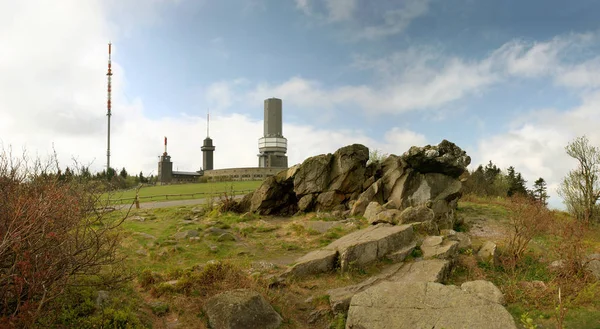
(186, 173)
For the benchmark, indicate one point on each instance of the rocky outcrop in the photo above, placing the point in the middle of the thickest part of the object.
(355, 249)
(422, 183)
(424, 271)
(241, 309)
(424, 305)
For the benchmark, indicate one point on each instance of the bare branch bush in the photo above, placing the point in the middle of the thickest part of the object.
(53, 233)
(527, 218)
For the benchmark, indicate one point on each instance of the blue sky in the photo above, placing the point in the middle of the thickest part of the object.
(508, 81)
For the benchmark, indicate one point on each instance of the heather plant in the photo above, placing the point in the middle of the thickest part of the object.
(53, 235)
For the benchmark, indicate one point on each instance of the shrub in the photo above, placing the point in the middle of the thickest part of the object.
(527, 218)
(52, 235)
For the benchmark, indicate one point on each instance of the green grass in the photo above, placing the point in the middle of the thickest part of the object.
(157, 193)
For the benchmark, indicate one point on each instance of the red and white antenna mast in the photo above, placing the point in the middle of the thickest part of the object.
(108, 106)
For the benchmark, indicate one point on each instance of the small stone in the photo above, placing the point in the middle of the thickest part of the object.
(141, 252)
(431, 241)
(102, 298)
(488, 253)
(213, 248)
(226, 237)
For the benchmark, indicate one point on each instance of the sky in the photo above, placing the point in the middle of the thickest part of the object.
(508, 81)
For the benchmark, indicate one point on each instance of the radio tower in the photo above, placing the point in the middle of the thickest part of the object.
(108, 114)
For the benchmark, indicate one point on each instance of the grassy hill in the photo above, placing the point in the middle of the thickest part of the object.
(174, 272)
(175, 191)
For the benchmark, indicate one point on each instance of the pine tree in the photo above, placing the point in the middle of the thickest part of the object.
(123, 173)
(540, 191)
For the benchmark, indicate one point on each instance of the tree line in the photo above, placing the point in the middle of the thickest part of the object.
(491, 181)
(580, 188)
(109, 178)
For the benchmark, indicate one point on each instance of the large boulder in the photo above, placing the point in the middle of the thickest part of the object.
(348, 169)
(424, 177)
(241, 309)
(424, 305)
(374, 193)
(313, 175)
(275, 195)
(445, 158)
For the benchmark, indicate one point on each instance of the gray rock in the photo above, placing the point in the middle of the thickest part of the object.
(372, 210)
(141, 252)
(429, 270)
(329, 200)
(314, 175)
(226, 237)
(391, 216)
(432, 241)
(185, 234)
(241, 309)
(370, 244)
(485, 290)
(306, 203)
(275, 195)
(592, 265)
(446, 250)
(102, 298)
(463, 239)
(372, 194)
(416, 214)
(424, 305)
(137, 218)
(356, 249)
(318, 261)
(400, 255)
(348, 169)
(199, 211)
(488, 253)
(445, 158)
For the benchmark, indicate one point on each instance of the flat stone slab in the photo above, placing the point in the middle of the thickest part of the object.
(355, 249)
(435, 270)
(241, 309)
(317, 261)
(370, 244)
(445, 250)
(424, 305)
(484, 289)
(400, 255)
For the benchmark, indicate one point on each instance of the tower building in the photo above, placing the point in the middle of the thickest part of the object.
(272, 147)
(165, 167)
(207, 148)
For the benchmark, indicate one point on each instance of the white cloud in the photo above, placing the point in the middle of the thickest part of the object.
(396, 21)
(341, 10)
(429, 82)
(53, 95)
(304, 6)
(536, 146)
(390, 21)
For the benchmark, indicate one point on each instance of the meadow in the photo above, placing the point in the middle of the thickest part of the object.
(182, 191)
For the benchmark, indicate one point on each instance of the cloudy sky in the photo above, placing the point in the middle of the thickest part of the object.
(508, 81)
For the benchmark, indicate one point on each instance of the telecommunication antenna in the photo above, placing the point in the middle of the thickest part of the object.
(108, 106)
